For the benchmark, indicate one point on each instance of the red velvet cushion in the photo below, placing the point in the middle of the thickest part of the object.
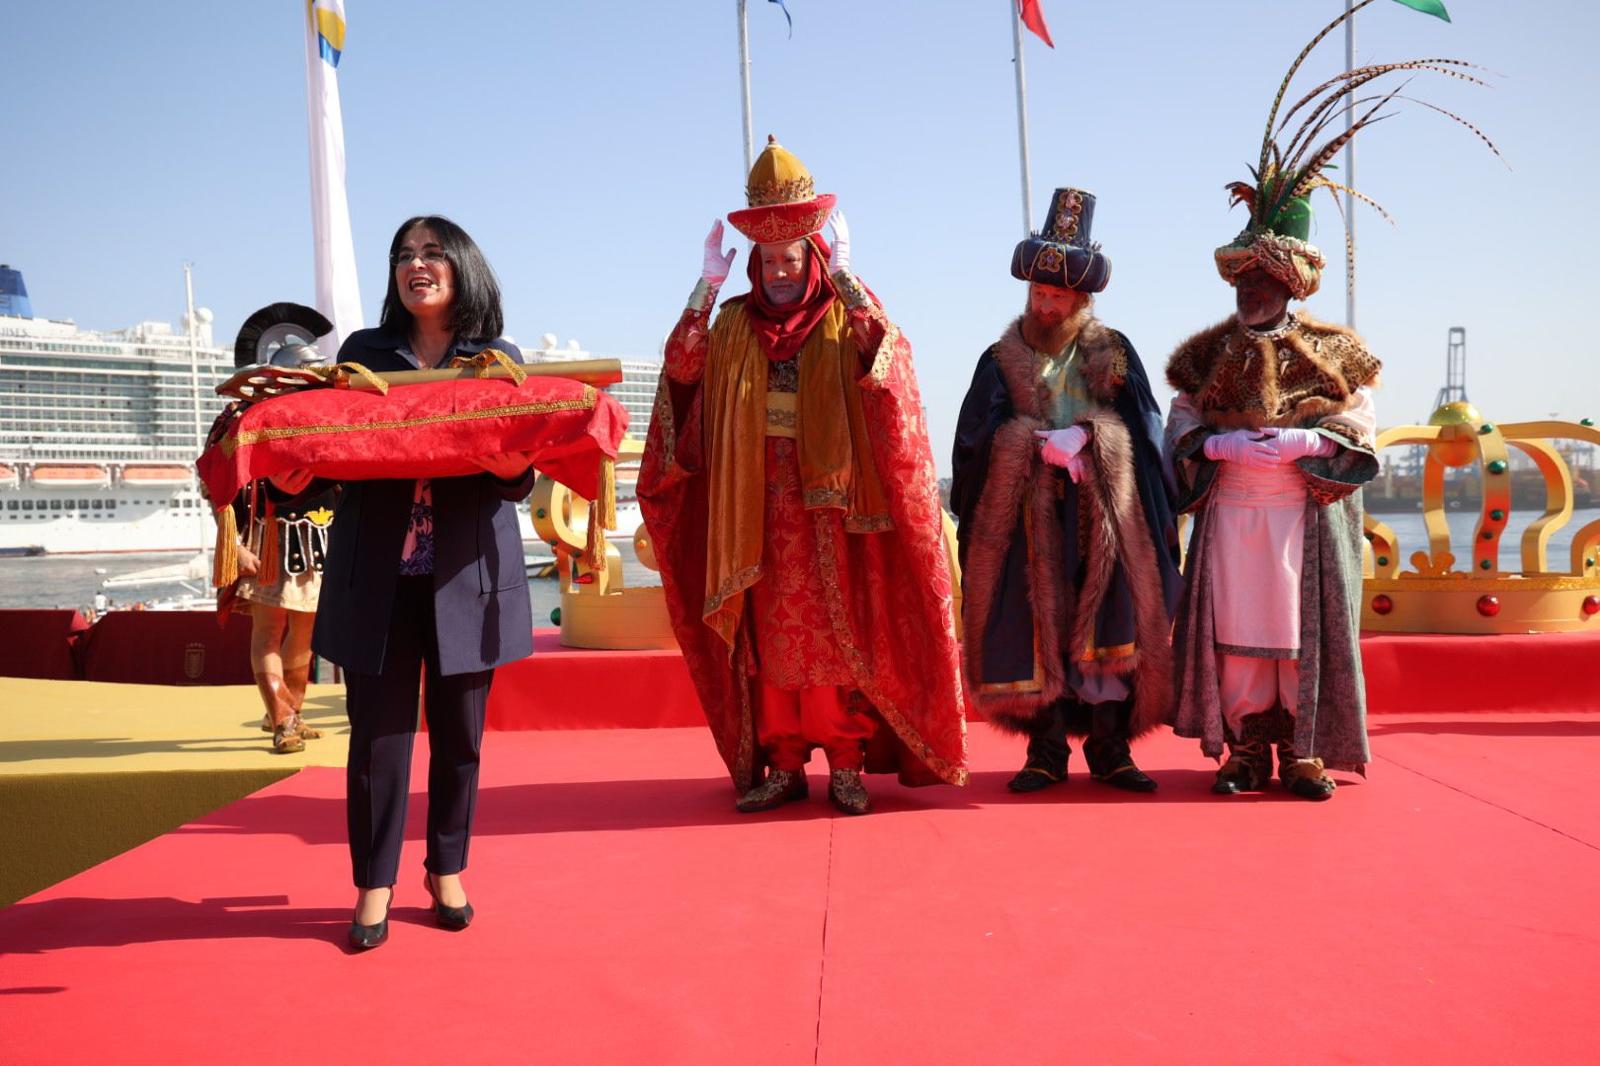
(420, 431)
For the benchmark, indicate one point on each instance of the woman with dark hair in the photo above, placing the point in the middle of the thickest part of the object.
(422, 576)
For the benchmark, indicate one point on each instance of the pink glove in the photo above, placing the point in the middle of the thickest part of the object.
(1295, 444)
(1243, 446)
(1060, 445)
(1077, 466)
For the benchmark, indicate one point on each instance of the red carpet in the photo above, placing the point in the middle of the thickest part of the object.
(1440, 911)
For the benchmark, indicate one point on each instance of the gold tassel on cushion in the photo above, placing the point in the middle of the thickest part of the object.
(225, 560)
(271, 548)
(602, 514)
(606, 498)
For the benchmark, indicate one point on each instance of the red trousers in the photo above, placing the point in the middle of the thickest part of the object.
(790, 723)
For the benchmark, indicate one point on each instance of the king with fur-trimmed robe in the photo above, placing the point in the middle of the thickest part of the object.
(1068, 545)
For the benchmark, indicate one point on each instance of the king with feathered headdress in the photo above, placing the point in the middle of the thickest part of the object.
(1272, 434)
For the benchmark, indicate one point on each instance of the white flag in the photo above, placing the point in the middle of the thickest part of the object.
(338, 291)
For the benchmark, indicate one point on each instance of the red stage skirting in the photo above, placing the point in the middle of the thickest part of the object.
(1421, 673)
(568, 688)
(168, 648)
(563, 688)
(41, 644)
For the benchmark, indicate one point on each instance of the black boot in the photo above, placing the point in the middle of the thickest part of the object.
(1249, 765)
(1048, 752)
(1107, 752)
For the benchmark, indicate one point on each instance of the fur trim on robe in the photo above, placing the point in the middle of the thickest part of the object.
(1021, 487)
(1238, 379)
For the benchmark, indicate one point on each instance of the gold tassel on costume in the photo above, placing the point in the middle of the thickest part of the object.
(225, 561)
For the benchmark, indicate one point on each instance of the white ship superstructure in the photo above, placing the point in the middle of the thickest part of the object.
(99, 431)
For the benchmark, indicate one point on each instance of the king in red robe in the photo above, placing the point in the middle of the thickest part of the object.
(789, 490)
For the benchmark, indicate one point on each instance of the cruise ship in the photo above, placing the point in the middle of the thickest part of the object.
(99, 430)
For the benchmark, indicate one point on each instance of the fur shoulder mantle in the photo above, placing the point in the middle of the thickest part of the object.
(1102, 350)
(1241, 379)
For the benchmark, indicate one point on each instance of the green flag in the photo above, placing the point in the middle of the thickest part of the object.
(1427, 7)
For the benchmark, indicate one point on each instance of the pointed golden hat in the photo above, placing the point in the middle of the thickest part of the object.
(782, 199)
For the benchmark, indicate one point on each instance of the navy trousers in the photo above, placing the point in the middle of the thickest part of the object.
(383, 722)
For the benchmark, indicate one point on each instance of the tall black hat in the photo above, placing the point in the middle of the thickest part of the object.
(277, 326)
(1061, 254)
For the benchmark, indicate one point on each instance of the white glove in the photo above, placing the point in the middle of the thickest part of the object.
(714, 268)
(1245, 446)
(1060, 446)
(840, 259)
(1295, 444)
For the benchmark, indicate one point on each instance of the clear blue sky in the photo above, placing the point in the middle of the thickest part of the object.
(589, 146)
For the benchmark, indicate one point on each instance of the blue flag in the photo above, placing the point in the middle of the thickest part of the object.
(786, 14)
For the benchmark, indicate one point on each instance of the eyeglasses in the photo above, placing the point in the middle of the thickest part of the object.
(429, 256)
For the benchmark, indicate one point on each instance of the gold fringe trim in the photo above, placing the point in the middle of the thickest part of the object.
(225, 559)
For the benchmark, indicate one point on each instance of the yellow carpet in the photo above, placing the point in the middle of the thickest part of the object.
(89, 770)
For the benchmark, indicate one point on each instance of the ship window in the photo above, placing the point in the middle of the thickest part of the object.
(111, 505)
(27, 505)
(11, 505)
(97, 504)
(55, 505)
(83, 505)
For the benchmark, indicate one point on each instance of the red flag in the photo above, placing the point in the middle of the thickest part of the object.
(1033, 18)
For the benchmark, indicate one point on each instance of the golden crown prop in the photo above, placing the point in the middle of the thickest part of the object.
(1437, 597)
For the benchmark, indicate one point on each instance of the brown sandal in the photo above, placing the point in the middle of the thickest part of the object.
(286, 738)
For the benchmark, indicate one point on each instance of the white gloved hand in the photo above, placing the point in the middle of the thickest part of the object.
(714, 268)
(1295, 444)
(1244, 446)
(840, 257)
(1077, 467)
(1059, 446)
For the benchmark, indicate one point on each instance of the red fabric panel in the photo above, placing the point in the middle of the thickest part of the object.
(168, 648)
(1433, 673)
(40, 644)
(355, 434)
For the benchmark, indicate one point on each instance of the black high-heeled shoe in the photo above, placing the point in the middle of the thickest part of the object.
(452, 918)
(367, 937)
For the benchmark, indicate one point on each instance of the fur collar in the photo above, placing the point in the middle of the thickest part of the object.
(1239, 379)
(1103, 355)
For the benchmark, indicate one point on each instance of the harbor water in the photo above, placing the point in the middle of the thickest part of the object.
(73, 580)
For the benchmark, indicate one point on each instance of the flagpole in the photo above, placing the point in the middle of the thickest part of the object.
(1350, 174)
(338, 288)
(1022, 116)
(744, 91)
